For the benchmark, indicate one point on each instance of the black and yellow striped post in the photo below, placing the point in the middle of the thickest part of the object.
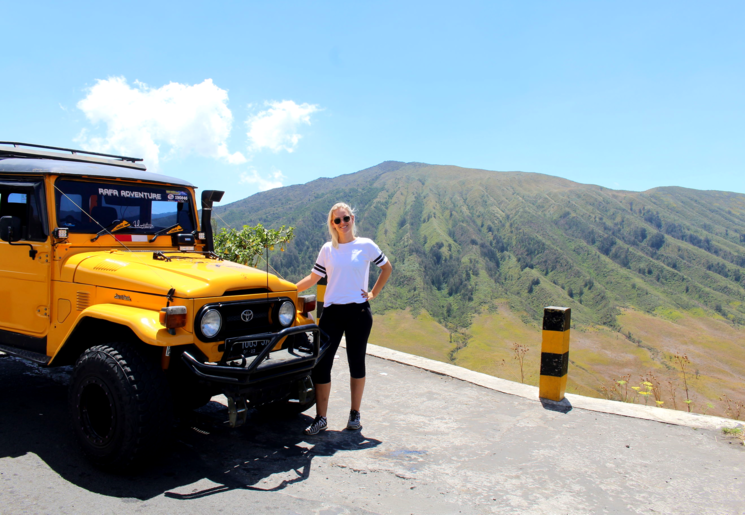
(554, 353)
(320, 293)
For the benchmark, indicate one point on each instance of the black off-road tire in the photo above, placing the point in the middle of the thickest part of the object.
(120, 405)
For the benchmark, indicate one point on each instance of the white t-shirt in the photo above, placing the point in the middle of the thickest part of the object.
(348, 270)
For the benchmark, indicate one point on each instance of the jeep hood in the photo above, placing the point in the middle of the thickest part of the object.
(192, 275)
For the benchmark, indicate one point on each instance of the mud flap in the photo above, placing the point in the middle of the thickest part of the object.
(306, 390)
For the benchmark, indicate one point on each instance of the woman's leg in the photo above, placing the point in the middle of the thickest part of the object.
(358, 387)
(357, 333)
(330, 324)
(323, 391)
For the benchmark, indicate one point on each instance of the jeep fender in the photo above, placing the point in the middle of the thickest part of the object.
(144, 324)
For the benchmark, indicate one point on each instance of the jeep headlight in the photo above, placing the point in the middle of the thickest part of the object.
(286, 313)
(211, 323)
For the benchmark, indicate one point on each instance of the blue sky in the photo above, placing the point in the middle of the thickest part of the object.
(243, 96)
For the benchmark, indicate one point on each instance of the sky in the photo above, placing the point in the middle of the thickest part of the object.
(244, 96)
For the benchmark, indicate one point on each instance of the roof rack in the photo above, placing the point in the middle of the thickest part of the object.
(13, 150)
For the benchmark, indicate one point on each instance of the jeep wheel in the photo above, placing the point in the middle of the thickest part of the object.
(120, 405)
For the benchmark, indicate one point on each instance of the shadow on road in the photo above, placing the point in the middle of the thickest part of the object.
(263, 455)
(563, 406)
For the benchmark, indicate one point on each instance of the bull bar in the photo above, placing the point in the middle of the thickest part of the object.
(251, 370)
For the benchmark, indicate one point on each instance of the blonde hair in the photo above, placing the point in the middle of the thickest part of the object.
(330, 222)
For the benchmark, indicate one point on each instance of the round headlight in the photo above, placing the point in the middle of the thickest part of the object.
(211, 323)
(286, 313)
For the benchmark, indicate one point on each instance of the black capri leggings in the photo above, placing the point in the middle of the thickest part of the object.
(353, 320)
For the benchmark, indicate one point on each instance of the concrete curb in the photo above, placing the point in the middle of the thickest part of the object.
(572, 401)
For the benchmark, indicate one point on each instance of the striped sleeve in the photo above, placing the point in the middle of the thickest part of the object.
(320, 267)
(379, 258)
(319, 270)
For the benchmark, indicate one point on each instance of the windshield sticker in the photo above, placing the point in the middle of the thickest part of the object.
(131, 237)
(177, 196)
(139, 225)
(107, 192)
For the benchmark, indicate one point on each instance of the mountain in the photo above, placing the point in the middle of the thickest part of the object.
(473, 248)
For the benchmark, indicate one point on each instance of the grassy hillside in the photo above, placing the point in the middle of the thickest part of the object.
(480, 253)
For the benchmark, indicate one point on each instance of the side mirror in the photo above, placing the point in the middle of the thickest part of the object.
(10, 228)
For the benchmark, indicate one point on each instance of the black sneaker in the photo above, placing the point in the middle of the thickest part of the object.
(318, 425)
(354, 420)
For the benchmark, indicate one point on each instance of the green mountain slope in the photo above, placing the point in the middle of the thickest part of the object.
(460, 238)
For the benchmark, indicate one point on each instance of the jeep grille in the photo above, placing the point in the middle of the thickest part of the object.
(263, 318)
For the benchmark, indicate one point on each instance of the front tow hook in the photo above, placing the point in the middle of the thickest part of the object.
(237, 410)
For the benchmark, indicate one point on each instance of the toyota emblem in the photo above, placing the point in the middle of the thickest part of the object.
(247, 315)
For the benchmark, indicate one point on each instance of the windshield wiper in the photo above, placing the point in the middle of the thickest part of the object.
(167, 230)
(117, 226)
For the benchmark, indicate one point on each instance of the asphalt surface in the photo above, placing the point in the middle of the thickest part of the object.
(430, 444)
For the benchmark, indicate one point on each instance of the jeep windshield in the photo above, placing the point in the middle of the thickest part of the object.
(87, 207)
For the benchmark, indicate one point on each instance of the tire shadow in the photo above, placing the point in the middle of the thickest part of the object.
(34, 420)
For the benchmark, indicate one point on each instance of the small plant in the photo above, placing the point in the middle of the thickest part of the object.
(637, 390)
(672, 394)
(683, 362)
(520, 351)
(646, 395)
(645, 390)
(653, 384)
(707, 408)
(624, 382)
(736, 432)
(732, 408)
(618, 390)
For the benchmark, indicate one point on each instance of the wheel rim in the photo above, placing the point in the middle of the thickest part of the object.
(97, 414)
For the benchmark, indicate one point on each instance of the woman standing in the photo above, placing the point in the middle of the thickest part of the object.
(345, 262)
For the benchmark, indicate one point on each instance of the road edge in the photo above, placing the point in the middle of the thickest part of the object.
(572, 401)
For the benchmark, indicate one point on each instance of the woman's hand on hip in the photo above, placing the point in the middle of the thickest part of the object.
(368, 295)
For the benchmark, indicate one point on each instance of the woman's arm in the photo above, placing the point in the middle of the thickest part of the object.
(308, 282)
(385, 273)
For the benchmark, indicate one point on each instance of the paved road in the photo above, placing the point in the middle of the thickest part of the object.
(430, 444)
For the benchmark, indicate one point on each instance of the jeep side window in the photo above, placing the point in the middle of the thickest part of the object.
(23, 204)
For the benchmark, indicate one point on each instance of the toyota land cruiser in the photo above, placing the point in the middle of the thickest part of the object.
(106, 267)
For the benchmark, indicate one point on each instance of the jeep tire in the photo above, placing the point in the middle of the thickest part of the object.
(120, 405)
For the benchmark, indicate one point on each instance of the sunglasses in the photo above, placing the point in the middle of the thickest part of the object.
(346, 219)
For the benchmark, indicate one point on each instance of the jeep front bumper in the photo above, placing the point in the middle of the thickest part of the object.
(243, 371)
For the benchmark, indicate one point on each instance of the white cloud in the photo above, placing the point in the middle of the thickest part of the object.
(143, 121)
(266, 182)
(276, 128)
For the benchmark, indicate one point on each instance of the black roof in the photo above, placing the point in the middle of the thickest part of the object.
(26, 161)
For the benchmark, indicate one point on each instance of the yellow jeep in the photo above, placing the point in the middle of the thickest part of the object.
(106, 267)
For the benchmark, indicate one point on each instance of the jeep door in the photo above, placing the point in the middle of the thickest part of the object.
(25, 281)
